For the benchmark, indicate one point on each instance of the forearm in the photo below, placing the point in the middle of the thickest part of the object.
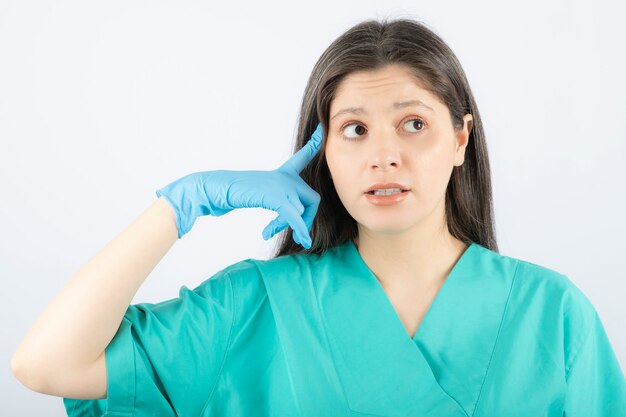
(83, 317)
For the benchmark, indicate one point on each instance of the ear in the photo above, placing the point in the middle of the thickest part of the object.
(462, 139)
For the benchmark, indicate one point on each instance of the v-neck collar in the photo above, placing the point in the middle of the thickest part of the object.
(358, 260)
(441, 369)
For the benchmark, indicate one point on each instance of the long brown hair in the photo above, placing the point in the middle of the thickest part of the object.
(370, 45)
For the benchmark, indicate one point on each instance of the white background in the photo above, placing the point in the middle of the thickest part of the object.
(101, 103)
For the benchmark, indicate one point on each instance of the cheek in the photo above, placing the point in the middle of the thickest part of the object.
(341, 168)
(434, 168)
(337, 161)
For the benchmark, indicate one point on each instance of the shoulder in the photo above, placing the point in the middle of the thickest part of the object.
(534, 286)
(248, 278)
(291, 266)
(538, 281)
(553, 286)
(248, 275)
(254, 286)
(550, 302)
(526, 278)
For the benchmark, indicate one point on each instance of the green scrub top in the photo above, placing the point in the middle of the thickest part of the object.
(316, 335)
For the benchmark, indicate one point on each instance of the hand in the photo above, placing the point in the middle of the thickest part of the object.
(282, 190)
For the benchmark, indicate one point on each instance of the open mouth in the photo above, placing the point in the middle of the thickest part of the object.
(392, 193)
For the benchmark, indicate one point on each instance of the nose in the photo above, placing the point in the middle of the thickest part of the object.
(386, 163)
(386, 156)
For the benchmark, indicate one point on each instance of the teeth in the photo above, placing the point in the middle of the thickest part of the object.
(388, 191)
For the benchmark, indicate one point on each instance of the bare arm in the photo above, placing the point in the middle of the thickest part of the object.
(63, 353)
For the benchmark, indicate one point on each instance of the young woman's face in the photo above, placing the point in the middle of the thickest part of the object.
(409, 144)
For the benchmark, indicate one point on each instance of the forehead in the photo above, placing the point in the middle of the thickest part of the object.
(390, 83)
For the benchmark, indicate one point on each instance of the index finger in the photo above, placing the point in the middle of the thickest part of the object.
(300, 159)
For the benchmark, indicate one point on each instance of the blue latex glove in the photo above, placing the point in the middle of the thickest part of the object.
(283, 190)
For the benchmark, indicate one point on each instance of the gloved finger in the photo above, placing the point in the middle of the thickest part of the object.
(278, 224)
(275, 226)
(300, 159)
(295, 200)
(310, 210)
(311, 200)
(292, 216)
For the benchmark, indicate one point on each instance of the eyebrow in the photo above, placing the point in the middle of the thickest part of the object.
(396, 106)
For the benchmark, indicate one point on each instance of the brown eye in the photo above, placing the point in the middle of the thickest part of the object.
(416, 124)
(358, 129)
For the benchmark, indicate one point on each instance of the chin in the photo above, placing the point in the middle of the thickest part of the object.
(381, 230)
(391, 222)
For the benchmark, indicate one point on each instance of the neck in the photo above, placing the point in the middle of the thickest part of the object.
(411, 260)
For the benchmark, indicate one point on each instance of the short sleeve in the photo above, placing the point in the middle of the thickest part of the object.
(165, 358)
(595, 381)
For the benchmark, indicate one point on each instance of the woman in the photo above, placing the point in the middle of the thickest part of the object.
(398, 305)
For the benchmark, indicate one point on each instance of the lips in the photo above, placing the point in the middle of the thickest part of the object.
(386, 185)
